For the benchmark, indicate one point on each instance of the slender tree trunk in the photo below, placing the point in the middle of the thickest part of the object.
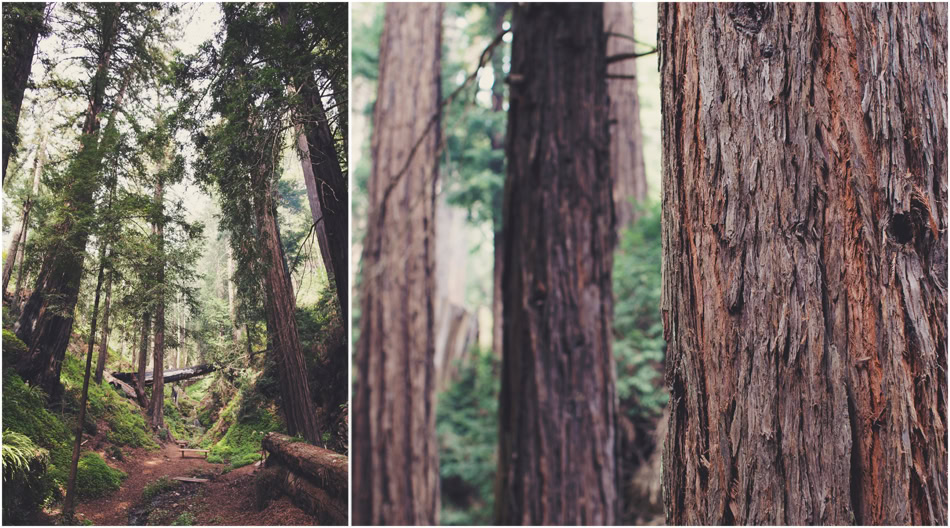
(314, 199)
(558, 406)
(69, 500)
(143, 358)
(22, 26)
(627, 169)
(805, 270)
(104, 344)
(232, 307)
(395, 467)
(18, 240)
(45, 324)
(332, 188)
(156, 409)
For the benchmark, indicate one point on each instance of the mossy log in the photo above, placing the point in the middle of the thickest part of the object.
(315, 478)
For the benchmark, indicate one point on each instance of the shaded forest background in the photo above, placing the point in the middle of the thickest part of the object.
(468, 207)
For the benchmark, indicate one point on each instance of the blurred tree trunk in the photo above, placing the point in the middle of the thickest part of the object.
(22, 25)
(18, 240)
(557, 424)
(805, 262)
(627, 169)
(156, 409)
(395, 463)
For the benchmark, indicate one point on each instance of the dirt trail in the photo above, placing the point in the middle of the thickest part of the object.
(227, 499)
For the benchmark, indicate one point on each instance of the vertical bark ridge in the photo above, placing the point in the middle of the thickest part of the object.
(805, 295)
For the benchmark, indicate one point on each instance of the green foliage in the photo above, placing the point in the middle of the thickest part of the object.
(158, 487)
(467, 429)
(95, 478)
(241, 444)
(24, 471)
(13, 348)
(24, 412)
(640, 349)
(185, 519)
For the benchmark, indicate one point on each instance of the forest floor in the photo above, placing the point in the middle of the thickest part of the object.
(227, 499)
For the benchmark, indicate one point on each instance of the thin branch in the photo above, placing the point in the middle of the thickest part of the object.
(625, 56)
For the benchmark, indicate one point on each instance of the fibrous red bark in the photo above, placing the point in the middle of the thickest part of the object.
(805, 262)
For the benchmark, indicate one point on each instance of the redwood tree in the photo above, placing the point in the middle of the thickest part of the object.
(557, 423)
(395, 462)
(22, 25)
(627, 169)
(805, 262)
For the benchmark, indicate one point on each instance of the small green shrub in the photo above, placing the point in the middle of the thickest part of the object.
(158, 487)
(95, 478)
(185, 519)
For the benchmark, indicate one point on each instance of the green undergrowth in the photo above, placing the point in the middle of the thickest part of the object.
(45, 428)
(248, 419)
(95, 478)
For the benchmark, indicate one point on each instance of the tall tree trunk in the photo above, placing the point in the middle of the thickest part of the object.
(557, 424)
(331, 182)
(104, 344)
(627, 169)
(143, 358)
(156, 409)
(232, 306)
(18, 240)
(46, 322)
(281, 306)
(805, 269)
(314, 199)
(22, 25)
(395, 467)
(69, 500)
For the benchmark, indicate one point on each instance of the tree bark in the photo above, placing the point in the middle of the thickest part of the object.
(332, 188)
(156, 408)
(627, 168)
(143, 359)
(69, 500)
(804, 267)
(395, 467)
(104, 344)
(314, 199)
(18, 240)
(281, 306)
(557, 424)
(22, 26)
(45, 324)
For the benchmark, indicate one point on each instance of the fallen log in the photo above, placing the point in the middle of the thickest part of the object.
(119, 384)
(170, 376)
(314, 478)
